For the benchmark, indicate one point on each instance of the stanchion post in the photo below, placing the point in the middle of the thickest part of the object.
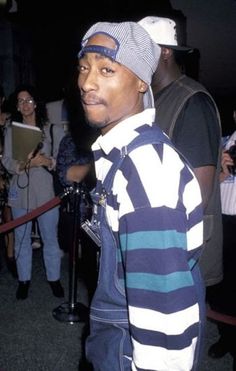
(72, 311)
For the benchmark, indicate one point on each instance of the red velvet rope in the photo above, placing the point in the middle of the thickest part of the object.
(211, 314)
(31, 215)
(221, 317)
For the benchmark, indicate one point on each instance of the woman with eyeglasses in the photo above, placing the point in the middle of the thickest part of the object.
(30, 187)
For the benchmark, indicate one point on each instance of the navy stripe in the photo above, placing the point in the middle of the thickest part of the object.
(135, 187)
(156, 218)
(157, 261)
(172, 302)
(170, 342)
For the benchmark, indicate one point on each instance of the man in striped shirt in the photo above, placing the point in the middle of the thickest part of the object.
(147, 310)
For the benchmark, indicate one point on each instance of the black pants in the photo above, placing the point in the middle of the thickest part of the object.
(222, 297)
(88, 255)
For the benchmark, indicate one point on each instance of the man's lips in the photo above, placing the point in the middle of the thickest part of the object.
(91, 101)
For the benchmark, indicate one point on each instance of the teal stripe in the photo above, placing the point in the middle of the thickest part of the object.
(160, 283)
(191, 263)
(153, 240)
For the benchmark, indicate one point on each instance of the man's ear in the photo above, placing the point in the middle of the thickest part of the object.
(143, 86)
(166, 52)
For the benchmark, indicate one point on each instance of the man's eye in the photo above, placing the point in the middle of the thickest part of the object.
(81, 68)
(107, 71)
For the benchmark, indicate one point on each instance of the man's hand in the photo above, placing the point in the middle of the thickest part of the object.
(226, 161)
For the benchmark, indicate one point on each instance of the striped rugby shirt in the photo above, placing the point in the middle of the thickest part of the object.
(154, 211)
(228, 186)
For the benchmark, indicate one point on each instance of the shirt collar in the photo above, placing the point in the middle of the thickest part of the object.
(121, 134)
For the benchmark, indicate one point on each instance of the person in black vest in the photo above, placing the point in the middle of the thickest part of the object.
(188, 114)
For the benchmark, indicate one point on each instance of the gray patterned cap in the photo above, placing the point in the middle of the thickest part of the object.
(134, 49)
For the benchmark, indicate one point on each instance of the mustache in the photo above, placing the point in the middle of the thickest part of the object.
(91, 99)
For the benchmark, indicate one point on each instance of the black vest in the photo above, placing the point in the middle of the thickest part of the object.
(168, 107)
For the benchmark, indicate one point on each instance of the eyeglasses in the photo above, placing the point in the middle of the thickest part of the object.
(26, 100)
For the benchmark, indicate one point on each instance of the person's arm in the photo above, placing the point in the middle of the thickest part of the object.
(77, 173)
(156, 253)
(3, 118)
(205, 176)
(197, 135)
(11, 165)
(72, 165)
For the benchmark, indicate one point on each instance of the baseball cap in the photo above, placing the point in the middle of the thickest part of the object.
(134, 49)
(163, 32)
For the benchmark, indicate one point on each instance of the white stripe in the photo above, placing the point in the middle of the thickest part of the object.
(158, 178)
(161, 359)
(192, 195)
(123, 199)
(170, 324)
(102, 167)
(195, 236)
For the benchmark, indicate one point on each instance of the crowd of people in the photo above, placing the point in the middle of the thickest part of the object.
(157, 180)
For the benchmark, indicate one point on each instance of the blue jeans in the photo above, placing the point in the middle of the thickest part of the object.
(48, 223)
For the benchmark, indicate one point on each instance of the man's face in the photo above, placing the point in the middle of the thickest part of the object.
(160, 75)
(109, 91)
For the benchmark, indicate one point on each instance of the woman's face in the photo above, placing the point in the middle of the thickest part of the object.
(25, 104)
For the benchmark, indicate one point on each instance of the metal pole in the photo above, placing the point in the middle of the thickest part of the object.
(72, 311)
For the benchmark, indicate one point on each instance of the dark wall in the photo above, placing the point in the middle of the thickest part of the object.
(56, 28)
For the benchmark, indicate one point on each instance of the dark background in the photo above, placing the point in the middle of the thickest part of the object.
(56, 27)
(45, 38)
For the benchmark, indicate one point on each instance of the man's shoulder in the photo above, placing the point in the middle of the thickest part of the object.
(191, 84)
(181, 90)
(195, 94)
